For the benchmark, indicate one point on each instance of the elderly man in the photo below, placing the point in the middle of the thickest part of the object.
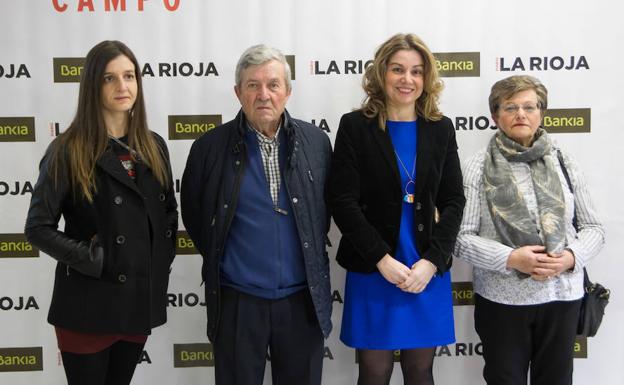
(252, 202)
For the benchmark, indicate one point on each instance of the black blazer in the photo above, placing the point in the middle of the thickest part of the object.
(365, 194)
(115, 282)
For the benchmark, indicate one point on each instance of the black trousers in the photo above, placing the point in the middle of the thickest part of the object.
(286, 328)
(112, 366)
(516, 338)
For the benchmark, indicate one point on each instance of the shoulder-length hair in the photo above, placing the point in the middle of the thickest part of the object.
(86, 139)
(375, 102)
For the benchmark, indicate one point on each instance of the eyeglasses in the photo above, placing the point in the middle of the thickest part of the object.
(513, 109)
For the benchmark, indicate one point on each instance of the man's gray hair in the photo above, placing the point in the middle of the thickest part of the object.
(260, 54)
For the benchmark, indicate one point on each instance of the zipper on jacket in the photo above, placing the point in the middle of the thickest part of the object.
(240, 149)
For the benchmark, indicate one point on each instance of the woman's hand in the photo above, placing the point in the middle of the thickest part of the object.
(392, 270)
(534, 260)
(419, 277)
(553, 264)
(525, 258)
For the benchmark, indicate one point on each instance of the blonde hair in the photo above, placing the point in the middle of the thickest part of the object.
(374, 104)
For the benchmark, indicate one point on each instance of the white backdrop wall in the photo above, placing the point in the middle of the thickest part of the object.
(323, 36)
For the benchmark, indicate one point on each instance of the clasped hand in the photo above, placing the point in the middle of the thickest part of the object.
(534, 260)
(412, 280)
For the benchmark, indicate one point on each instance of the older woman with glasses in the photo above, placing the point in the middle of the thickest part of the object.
(528, 234)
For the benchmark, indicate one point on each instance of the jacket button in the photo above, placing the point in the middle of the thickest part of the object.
(225, 206)
(168, 233)
(305, 245)
(421, 227)
(295, 200)
(122, 278)
(120, 239)
(418, 206)
(161, 197)
(237, 163)
(118, 200)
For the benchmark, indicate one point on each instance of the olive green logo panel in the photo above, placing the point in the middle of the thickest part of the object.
(290, 59)
(192, 355)
(17, 129)
(16, 246)
(191, 126)
(458, 64)
(21, 359)
(580, 347)
(184, 244)
(67, 69)
(462, 293)
(567, 120)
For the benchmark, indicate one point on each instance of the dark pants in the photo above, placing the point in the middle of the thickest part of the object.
(518, 337)
(287, 327)
(112, 366)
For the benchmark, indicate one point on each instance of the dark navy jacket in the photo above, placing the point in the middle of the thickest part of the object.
(210, 193)
(263, 256)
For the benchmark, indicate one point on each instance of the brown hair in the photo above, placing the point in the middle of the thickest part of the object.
(86, 138)
(374, 104)
(506, 88)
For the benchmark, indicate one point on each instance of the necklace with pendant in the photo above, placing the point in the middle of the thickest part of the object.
(408, 197)
(130, 150)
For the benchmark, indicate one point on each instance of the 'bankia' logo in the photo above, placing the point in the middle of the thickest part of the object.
(16, 246)
(542, 63)
(560, 120)
(462, 293)
(458, 64)
(191, 126)
(17, 129)
(580, 347)
(69, 69)
(25, 359)
(14, 71)
(184, 244)
(192, 355)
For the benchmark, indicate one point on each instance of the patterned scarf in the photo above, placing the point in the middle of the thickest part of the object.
(513, 223)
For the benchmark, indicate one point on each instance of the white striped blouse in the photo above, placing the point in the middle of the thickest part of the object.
(479, 245)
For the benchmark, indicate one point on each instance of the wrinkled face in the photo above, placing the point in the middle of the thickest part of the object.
(119, 88)
(519, 117)
(404, 79)
(263, 94)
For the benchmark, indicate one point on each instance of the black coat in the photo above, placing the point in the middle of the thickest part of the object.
(210, 192)
(365, 192)
(115, 282)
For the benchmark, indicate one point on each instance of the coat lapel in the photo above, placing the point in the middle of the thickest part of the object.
(385, 145)
(112, 166)
(423, 154)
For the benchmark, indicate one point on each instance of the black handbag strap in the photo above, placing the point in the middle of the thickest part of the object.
(567, 178)
(586, 281)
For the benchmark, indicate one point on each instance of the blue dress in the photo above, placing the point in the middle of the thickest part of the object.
(377, 314)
